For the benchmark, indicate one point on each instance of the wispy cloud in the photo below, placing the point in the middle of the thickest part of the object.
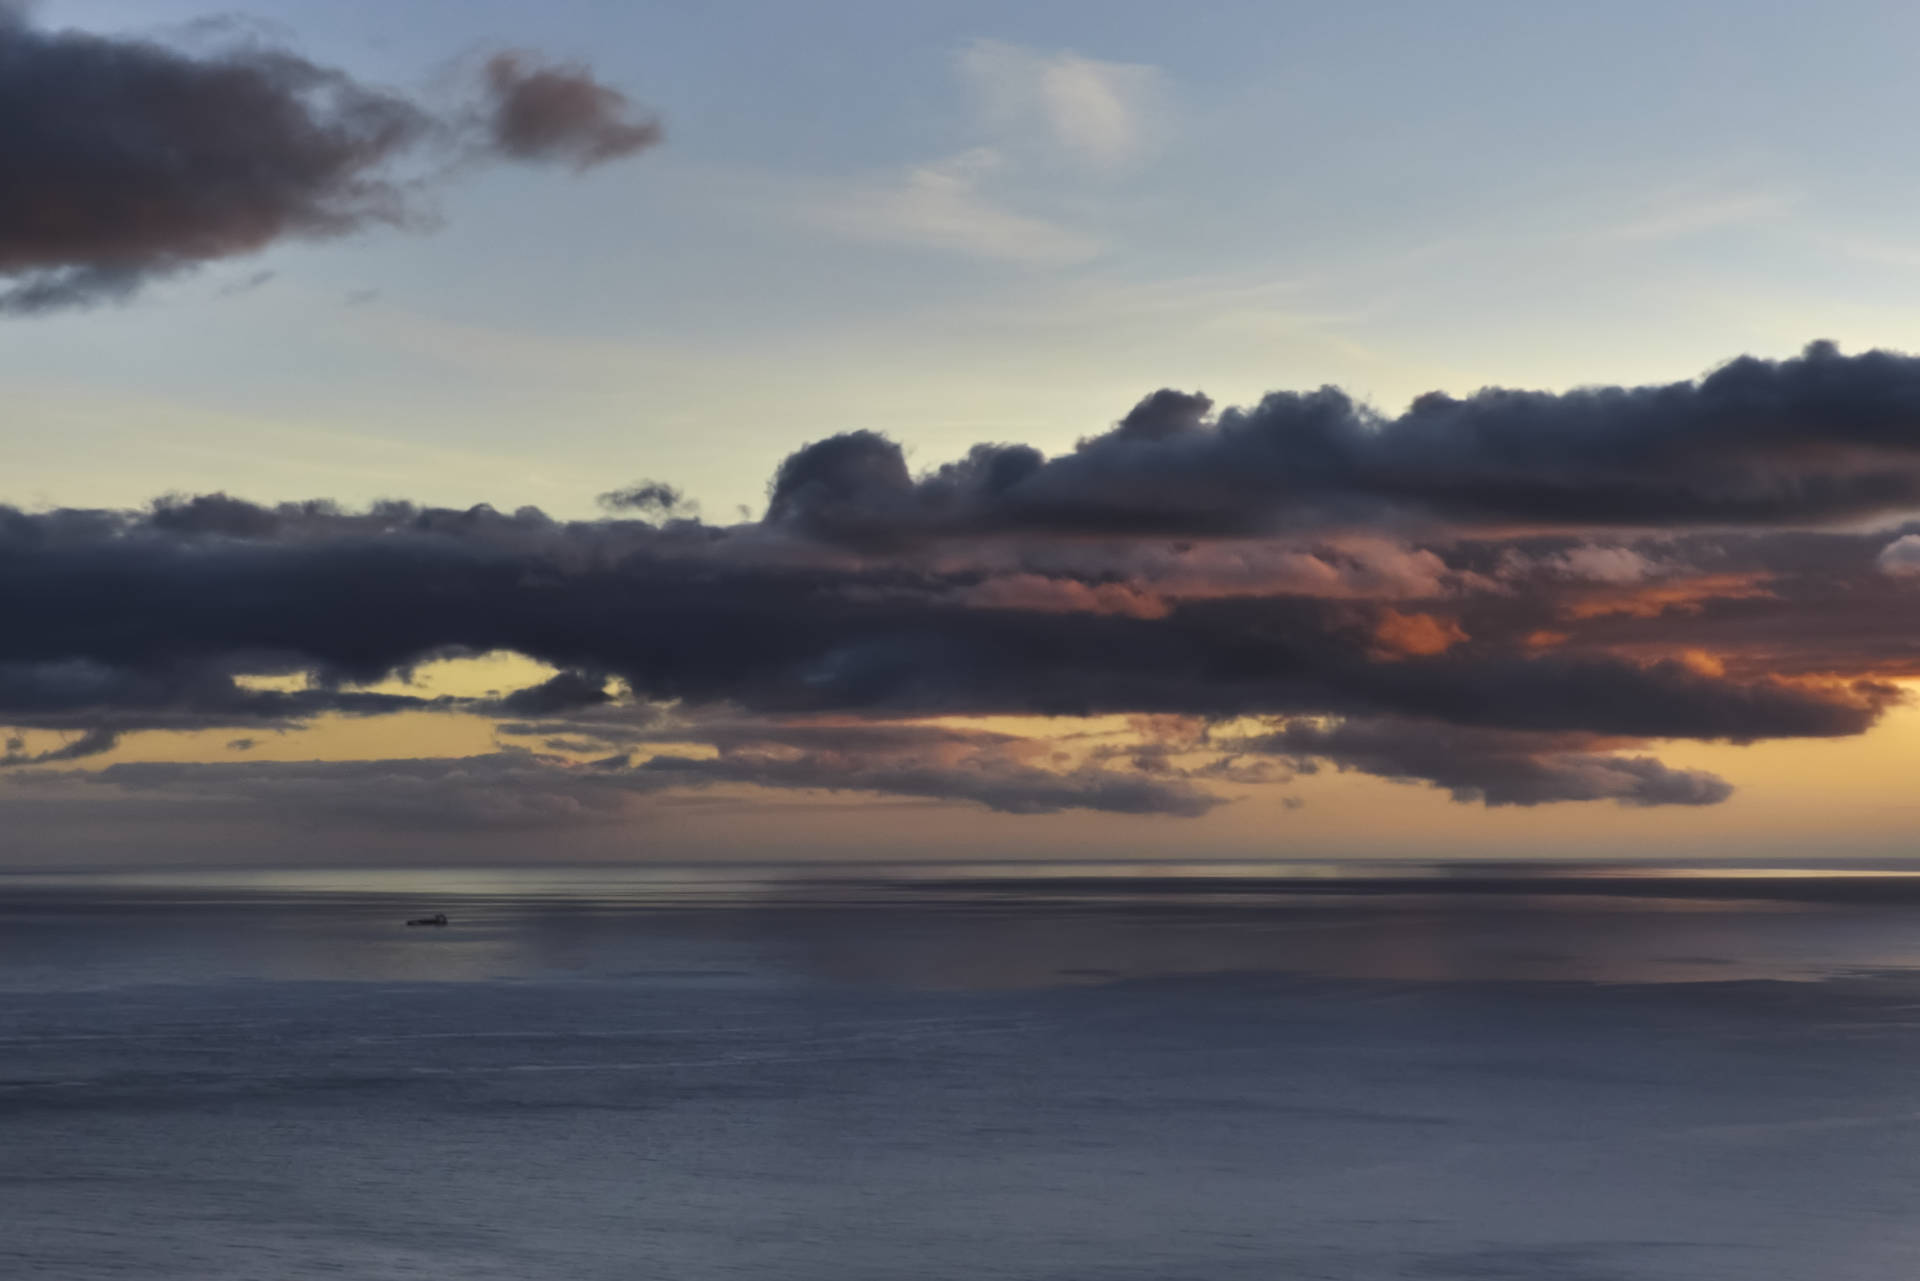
(1035, 110)
(1104, 114)
(1697, 213)
(945, 205)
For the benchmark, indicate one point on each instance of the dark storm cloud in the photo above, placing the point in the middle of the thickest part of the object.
(561, 113)
(1820, 437)
(126, 160)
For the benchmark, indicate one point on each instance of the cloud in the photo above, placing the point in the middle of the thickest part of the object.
(1901, 557)
(561, 113)
(980, 201)
(93, 742)
(1822, 437)
(1603, 564)
(1398, 635)
(647, 496)
(515, 790)
(1797, 604)
(806, 651)
(1494, 768)
(636, 725)
(563, 692)
(247, 285)
(1063, 595)
(507, 791)
(1691, 214)
(150, 616)
(129, 161)
(160, 693)
(1100, 113)
(1001, 786)
(826, 486)
(945, 206)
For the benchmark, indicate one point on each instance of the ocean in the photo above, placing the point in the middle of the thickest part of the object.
(1040, 1072)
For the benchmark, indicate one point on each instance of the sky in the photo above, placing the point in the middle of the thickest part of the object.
(484, 431)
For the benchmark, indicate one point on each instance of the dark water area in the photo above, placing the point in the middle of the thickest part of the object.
(1054, 1072)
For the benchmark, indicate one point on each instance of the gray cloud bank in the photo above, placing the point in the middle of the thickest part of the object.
(1821, 437)
(1448, 642)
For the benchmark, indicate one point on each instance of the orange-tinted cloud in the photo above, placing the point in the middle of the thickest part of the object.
(1398, 635)
(1672, 596)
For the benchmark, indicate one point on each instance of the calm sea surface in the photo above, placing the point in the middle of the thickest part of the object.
(1059, 1073)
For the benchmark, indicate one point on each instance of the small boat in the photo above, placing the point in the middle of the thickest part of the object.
(438, 918)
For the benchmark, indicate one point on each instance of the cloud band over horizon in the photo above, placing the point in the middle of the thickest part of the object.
(1513, 598)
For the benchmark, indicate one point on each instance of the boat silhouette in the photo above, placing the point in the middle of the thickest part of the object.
(438, 918)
